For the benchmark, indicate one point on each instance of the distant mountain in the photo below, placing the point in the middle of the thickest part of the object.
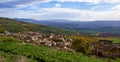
(88, 24)
(7, 24)
(80, 26)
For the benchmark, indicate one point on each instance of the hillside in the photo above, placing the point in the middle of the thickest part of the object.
(85, 28)
(14, 50)
(26, 42)
(11, 25)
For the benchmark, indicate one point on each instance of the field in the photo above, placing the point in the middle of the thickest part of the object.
(114, 39)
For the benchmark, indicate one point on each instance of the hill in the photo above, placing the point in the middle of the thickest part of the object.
(11, 25)
(85, 28)
(17, 45)
(68, 23)
(13, 50)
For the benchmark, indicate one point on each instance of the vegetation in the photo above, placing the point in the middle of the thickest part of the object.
(11, 49)
(114, 39)
(103, 47)
(7, 24)
(82, 44)
(85, 28)
(14, 50)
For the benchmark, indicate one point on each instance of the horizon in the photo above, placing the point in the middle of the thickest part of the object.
(65, 20)
(75, 10)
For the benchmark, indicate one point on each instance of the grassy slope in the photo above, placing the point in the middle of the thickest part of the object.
(11, 48)
(114, 39)
(16, 26)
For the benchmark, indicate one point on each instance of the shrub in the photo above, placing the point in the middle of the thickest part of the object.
(82, 44)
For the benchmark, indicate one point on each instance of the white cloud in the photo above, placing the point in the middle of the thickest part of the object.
(58, 5)
(75, 14)
(61, 13)
(112, 1)
(3, 1)
(64, 13)
(97, 7)
(31, 3)
(20, 3)
(91, 1)
(117, 7)
(88, 1)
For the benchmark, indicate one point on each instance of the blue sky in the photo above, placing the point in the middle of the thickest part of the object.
(82, 10)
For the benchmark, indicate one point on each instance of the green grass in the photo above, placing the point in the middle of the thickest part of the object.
(114, 39)
(11, 49)
(8, 57)
(7, 24)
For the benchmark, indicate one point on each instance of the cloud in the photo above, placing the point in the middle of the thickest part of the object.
(64, 13)
(58, 5)
(92, 1)
(24, 3)
(3, 1)
(12, 9)
(112, 1)
(75, 14)
(97, 7)
(19, 3)
(117, 7)
(88, 1)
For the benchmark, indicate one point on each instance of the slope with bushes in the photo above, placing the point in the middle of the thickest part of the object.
(7, 24)
(12, 50)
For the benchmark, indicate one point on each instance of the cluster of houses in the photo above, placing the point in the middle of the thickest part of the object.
(57, 41)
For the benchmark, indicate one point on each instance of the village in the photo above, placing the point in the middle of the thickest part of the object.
(52, 40)
(103, 48)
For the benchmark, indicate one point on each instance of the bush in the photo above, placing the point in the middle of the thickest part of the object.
(81, 45)
(2, 30)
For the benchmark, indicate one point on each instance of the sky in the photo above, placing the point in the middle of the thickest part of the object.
(80, 10)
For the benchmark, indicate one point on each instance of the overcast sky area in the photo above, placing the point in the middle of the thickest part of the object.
(82, 10)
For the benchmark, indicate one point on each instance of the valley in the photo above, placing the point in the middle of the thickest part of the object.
(110, 28)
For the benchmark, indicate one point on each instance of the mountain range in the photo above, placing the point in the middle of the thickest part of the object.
(87, 27)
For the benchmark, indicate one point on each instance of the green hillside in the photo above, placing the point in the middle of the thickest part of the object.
(13, 50)
(7, 24)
